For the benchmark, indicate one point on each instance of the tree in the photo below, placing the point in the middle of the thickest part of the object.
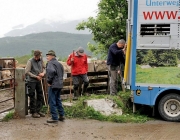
(109, 25)
(158, 57)
(149, 58)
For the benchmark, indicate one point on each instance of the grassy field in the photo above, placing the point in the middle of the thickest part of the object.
(23, 59)
(158, 75)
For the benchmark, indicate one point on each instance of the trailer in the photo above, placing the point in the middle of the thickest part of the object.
(153, 25)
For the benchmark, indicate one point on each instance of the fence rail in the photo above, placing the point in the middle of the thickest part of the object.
(11, 85)
(97, 81)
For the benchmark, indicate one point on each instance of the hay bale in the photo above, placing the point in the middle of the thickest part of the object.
(100, 65)
(90, 67)
(65, 66)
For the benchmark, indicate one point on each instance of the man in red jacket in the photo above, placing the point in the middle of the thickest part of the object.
(79, 69)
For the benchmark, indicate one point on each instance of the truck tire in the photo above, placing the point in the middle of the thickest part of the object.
(169, 107)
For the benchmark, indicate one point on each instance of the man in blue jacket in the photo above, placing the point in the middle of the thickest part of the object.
(55, 74)
(115, 58)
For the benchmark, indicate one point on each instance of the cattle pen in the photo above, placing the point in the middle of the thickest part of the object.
(98, 84)
(7, 84)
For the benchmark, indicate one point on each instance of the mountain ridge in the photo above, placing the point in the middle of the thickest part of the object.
(62, 43)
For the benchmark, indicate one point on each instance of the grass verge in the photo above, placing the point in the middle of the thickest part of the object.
(158, 75)
(79, 111)
(8, 117)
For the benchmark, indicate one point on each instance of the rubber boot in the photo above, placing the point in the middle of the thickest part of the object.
(84, 92)
(76, 95)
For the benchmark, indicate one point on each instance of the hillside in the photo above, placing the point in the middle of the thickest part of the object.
(62, 43)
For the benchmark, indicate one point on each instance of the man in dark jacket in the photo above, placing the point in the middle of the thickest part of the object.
(55, 74)
(115, 57)
(35, 70)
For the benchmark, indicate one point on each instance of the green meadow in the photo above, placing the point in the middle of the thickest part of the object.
(158, 75)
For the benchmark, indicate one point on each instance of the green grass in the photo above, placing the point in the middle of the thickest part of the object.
(80, 111)
(158, 75)
(23, 59)
(8, 117)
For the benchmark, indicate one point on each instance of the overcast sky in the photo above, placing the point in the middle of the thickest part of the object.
(16, 12)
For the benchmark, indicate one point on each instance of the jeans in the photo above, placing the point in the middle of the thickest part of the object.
(55, 102)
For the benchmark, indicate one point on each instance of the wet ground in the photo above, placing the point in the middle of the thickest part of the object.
(74, 129)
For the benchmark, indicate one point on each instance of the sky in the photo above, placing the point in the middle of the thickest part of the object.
(26, 12)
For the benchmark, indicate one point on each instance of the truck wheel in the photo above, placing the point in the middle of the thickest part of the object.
(169, 107)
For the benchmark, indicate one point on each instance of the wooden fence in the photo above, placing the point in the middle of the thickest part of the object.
(98, 81)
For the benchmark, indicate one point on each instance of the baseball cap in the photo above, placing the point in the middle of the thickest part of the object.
(81, 51)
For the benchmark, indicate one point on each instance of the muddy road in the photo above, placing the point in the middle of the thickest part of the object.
(74, 129)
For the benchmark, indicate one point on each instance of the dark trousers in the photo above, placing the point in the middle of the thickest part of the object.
(35, 102)
(76, 79)
(55, 102)
(113, 75)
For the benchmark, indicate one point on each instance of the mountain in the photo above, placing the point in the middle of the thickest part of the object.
(62, 43)
(47, 25)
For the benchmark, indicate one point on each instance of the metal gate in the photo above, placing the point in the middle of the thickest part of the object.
(7, 84)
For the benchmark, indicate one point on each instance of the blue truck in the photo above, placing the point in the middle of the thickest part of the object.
(153, 25)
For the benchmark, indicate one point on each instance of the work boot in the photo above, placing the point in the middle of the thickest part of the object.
(85, 94)
(41, 114)
(76, 95)
(52, 121)
(61, 118)
(35, 115)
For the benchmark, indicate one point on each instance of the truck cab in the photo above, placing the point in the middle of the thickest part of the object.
(154, 27)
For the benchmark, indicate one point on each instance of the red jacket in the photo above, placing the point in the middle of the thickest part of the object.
(79, 66)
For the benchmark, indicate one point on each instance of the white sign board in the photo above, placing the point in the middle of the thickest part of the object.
(158, 24)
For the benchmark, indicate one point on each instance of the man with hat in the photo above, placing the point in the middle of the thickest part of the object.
(79, 68)
(35, 71)
(55, 72)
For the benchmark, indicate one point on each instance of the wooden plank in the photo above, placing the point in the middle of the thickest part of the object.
(97, 73)
(92, 73)
(98, 80)
(66, 91)
(100, 87)
(89, 89)
(67, 83)
(94, 81)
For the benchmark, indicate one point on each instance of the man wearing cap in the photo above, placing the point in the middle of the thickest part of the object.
(114, 59)
(55, 72)
(79, 69)
(35, 70)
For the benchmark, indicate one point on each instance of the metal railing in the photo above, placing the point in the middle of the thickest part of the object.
(11, 85)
